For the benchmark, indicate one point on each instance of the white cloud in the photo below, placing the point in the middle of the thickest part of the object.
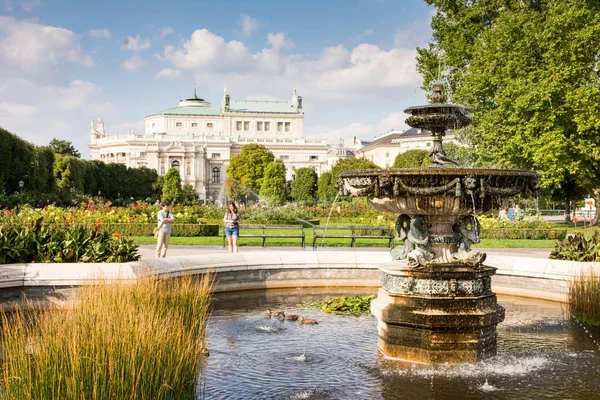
(365, 70)
(249, 24)
(416, 34)
(162, 33)
(27, 6)
(364, 34)
(132, 64)
(100, 33)
(168, 73)
(136, 43)
(30, 49)
(361, 130)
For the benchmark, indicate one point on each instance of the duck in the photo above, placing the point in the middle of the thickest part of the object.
(271, 314)
(308, 321)
(291, 317)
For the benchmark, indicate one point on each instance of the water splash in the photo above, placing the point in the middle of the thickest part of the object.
(268, 328)
(329, 216)
(486, 387)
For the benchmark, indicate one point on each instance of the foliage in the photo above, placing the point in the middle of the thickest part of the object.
(188, 195)
(464, 156)
(69, 172)
(326, 190)
(118, 341)
(274, 188)
(347, 305)
(304, 186)
(533, 228)
(42, 242)
(248, 167)
(234, 189)
(328, 186)
(171, 191)
(584, 296)
(530, 71)
(412, 159)
(578, 247)
(63, 147)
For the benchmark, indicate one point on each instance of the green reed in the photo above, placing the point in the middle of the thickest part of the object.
(584, 296)
(119, 341)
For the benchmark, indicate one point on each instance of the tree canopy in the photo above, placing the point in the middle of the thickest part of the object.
(63, 147)
(414, 158)
(248, 167)
(304, 185)
(171, 192)
(274, 187)
(531, 72)
(327, 183)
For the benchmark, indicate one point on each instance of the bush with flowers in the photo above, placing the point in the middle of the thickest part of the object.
(526, 228)
(40, 241)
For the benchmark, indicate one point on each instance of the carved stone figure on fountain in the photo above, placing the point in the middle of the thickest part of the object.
(468, 231)
(402, 229)
(418, 235)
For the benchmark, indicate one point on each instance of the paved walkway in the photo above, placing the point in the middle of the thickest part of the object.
(149, 251)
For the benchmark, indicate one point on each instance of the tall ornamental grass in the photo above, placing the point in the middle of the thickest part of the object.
(584, 296)
(119, 341)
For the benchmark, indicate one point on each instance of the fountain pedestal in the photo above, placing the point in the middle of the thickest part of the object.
(437, 314)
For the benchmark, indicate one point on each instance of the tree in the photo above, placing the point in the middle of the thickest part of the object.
(530, 72)
(234, 189)
(171, 192)
(274, 187)
(248, 167)
(64, 147)
(463, 155)
(189, 197)
(412, 159)
(326, 190)
(69, 172)
(304, 186)
(342, 164)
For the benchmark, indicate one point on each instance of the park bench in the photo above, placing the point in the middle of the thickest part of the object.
(269, 231)
(353, 233)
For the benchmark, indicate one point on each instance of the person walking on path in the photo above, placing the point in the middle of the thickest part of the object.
(232, 226)
(165, 217)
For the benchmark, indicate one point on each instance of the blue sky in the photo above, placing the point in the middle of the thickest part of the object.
(65, 62)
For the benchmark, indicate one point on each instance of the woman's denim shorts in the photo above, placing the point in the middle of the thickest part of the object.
(232, 231)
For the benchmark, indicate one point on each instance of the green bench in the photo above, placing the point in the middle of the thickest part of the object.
(269, 231)
(353, 233)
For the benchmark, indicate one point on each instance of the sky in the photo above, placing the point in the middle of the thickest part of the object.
(63, 63)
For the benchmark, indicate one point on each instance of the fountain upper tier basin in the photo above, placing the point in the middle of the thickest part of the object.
(438, 191)
(439, 116)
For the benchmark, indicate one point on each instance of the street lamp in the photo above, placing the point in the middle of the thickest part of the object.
(72, 189)
(99, 193)
(21, 185)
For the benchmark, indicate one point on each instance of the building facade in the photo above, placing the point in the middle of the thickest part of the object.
(384, 149)
(199, 140)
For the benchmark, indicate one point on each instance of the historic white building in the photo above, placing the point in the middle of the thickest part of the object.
(199, 140)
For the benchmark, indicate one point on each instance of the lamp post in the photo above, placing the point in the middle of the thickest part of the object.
(72, 189)
(21, 185)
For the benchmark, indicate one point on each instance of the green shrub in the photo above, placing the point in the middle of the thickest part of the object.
(578, 248)
(347, 305)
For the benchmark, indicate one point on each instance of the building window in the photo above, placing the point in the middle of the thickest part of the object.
(313, 158)
(267, 126)
(209, 125)
(153, 124)
(387, 164)
(428, 144)
(246, 125)
(175, 164)
(216, 155)
(387, 154)
(238, 126)
(280, 127)
(216, 175)
(284, 157)
(142, 154)
(178, 124)
(287, 126)
(259, 126)
(194, 124)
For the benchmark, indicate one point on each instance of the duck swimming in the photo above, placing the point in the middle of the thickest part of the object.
(308, 321)
(271, 314)
(291, 317)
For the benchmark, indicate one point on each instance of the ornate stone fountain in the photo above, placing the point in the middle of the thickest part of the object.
(436, 304)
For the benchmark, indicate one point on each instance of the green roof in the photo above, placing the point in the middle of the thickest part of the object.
(191, 110)
(263, 106)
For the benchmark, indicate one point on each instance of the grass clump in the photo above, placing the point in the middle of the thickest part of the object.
(345, 305)
(119, 341)
(584, 296)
